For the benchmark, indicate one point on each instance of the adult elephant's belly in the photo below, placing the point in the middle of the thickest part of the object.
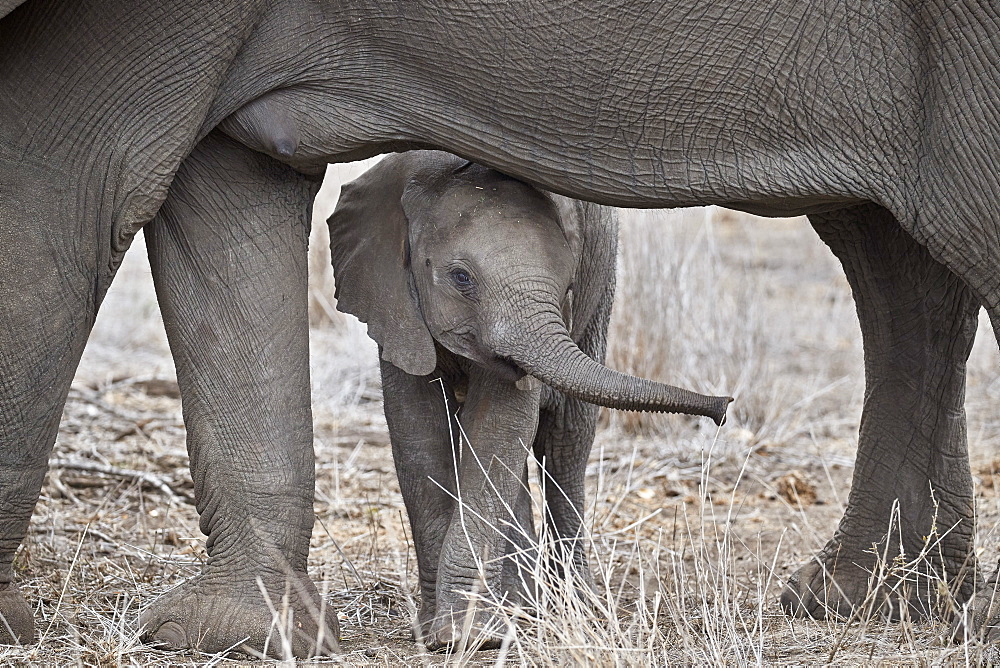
(797, 206)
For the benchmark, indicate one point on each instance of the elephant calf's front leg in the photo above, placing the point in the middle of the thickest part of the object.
(562, 446)
(487, 555)
(228, 253)
(419, 412)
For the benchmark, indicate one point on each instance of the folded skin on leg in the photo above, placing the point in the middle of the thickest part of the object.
(499, 422)
(229, 253)
(918, 321)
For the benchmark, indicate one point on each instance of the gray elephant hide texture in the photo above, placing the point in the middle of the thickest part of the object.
(210, 124)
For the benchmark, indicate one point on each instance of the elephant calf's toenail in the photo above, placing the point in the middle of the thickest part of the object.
(171, 633)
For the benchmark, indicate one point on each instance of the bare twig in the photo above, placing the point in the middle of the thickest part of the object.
(94, 399)
(150, 479)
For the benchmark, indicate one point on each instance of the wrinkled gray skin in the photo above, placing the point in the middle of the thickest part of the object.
(211, 123)
(496, 277)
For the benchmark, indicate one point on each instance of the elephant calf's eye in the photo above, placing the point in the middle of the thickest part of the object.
(461, 278)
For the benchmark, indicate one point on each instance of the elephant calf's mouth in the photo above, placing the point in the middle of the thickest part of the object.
(508, 369)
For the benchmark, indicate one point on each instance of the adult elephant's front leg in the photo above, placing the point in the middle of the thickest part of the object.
(488, 550)
(918, 321)
(229, 255)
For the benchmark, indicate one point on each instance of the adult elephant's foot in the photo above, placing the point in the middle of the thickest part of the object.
(841, 581)
(213, 615)
(17, 626)
(979, 618)
(829, 584)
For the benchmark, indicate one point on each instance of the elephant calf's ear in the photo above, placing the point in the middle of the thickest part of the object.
(368, 244)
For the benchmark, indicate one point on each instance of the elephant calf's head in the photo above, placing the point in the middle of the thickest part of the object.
(429, 247)
(487, 253)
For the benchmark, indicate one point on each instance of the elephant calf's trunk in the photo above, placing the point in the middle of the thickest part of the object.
(560, 364)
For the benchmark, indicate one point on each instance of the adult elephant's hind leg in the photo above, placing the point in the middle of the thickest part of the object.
(918, 322)
(229, 253)
(980, 616)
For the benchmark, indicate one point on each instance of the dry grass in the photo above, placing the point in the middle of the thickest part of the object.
(693, 529)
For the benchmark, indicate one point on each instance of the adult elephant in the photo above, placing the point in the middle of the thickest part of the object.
(880, 121)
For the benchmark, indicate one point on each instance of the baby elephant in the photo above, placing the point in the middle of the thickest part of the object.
(470, 281)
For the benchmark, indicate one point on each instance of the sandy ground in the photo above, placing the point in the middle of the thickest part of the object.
(705, 523)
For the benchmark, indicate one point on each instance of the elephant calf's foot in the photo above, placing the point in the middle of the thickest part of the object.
(482, 630)
(17, 626)
(421, 627)
(841, 583)
(217, 616)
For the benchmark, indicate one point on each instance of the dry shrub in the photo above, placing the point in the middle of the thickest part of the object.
(694, 590)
